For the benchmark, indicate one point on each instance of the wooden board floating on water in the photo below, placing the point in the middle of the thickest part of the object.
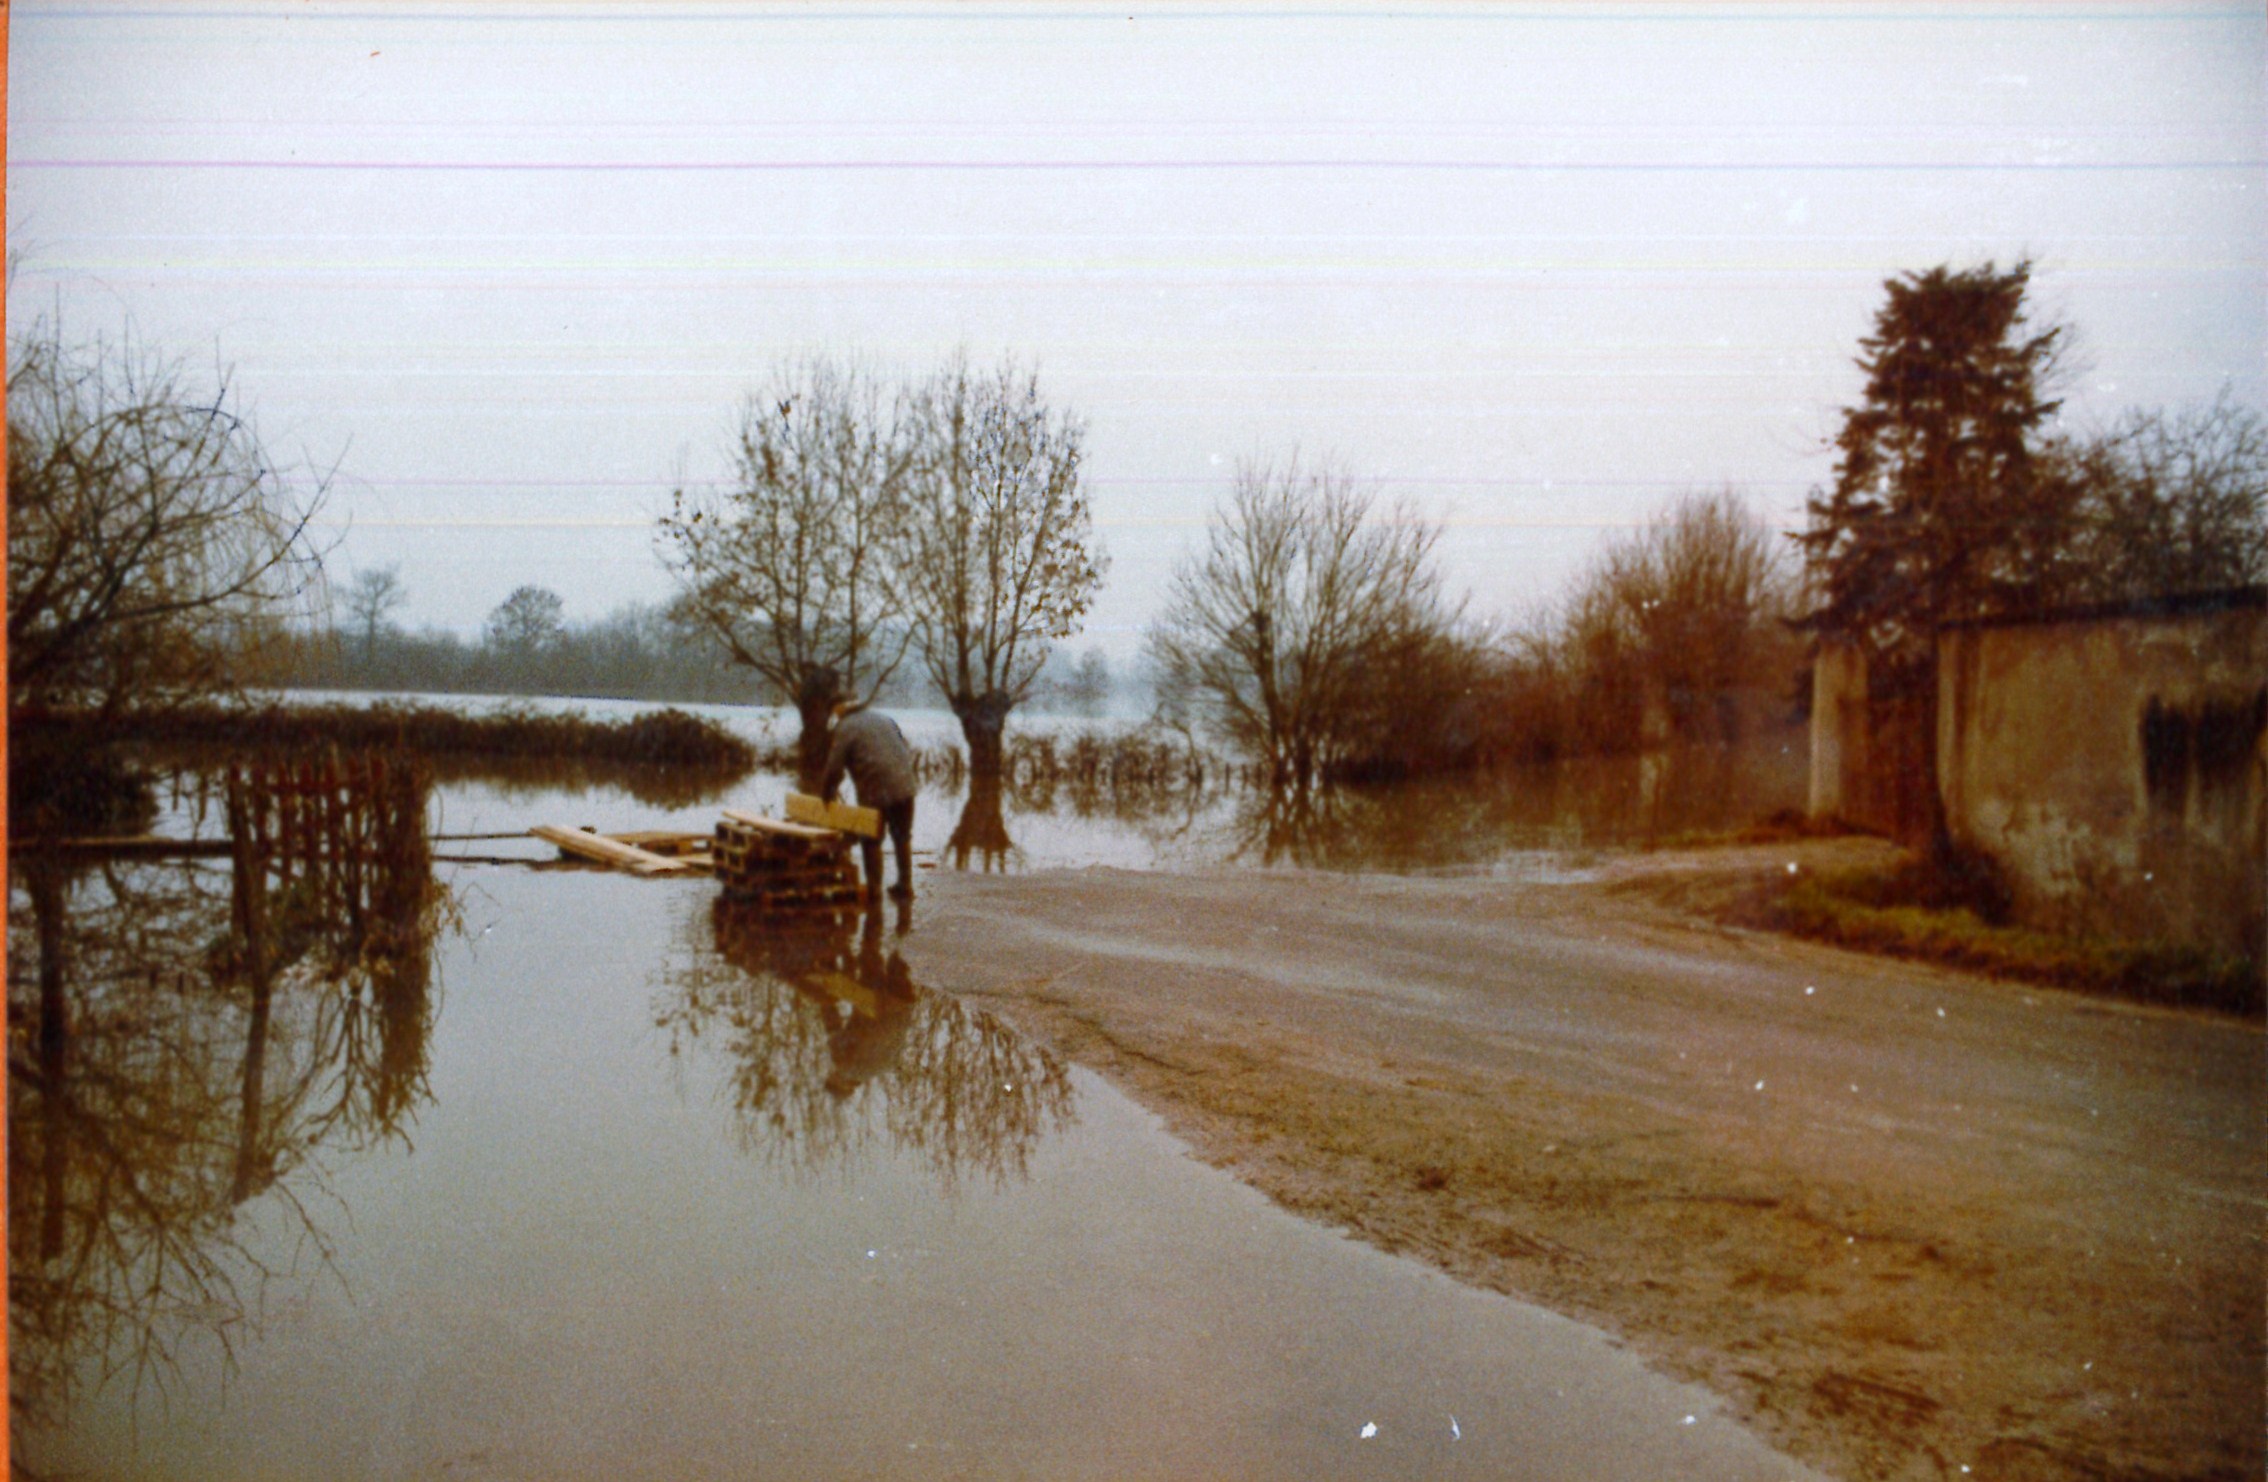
(847, 818)
(609, 851)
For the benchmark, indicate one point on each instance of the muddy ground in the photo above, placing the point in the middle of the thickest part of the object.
(1910, 1223)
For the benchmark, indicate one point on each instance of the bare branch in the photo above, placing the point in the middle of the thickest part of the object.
(155, 547)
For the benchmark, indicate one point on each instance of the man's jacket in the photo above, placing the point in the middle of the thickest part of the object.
(869, 745)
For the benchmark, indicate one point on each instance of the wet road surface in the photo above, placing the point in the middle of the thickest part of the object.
(1910, 1220)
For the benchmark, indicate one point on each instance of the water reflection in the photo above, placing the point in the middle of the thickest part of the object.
(517, 777)
(524, 779)
(166, 1077)
(1044, 819)
(1464, 823)
(981, 831)
(829, 1050)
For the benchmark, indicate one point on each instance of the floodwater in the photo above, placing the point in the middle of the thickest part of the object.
(1523, 822)
(593, 1176)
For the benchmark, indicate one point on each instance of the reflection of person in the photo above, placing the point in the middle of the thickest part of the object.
(869, 1041)
(869, 745)
(863, 1046)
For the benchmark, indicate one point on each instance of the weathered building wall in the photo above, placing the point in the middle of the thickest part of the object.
(1838, 729)
(1866, 758)
(2117, 767)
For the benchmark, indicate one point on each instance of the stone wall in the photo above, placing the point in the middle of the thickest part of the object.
(1838, 730)
(2117, 767)
(1866, 758)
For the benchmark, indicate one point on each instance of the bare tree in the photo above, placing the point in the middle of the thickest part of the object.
(1659, 640)
(786, 566)
(154, 546)
(1301, 606)
(998, 558)
(1699, 593)
(527, 623)
(2170, 503)
(375, 594)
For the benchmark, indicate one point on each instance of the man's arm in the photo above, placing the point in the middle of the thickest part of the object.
(838, 758)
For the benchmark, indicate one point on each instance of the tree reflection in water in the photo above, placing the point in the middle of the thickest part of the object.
(159, 1093)
(533, 779)
(830, 1049)
(981, 830)
(1471, 822)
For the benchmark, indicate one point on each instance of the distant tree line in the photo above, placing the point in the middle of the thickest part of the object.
(918, 537)
(528, 647)
(633, 653)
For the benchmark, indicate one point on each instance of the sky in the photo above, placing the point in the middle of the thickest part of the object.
(1539, 268)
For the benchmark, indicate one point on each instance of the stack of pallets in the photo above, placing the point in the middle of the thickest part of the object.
(785, 866)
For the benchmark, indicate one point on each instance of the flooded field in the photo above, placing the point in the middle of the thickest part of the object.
(1515, 822)
(548, 1172)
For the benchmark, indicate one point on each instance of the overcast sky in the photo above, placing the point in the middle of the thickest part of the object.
(1540, 267)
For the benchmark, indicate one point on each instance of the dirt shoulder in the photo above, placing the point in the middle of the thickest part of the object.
(1908, 1221)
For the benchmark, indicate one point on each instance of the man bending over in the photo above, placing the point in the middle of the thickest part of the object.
(869, 745)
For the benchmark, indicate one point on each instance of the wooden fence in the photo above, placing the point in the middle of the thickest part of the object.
(345, 834)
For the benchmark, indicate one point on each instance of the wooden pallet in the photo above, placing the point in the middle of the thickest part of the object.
(789, 866)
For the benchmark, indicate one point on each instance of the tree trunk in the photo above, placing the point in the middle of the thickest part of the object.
(1299, 772)
(814, 708)
(53, 1047)
(254, 1172)
(982, 829)
(984, 725)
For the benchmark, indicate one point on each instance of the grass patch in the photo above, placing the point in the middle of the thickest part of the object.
(1915, 912)
(1786, 826)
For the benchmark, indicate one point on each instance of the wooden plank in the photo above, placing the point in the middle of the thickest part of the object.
(608, 851)
(775, 826)
(671, 841)
(847, 818)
